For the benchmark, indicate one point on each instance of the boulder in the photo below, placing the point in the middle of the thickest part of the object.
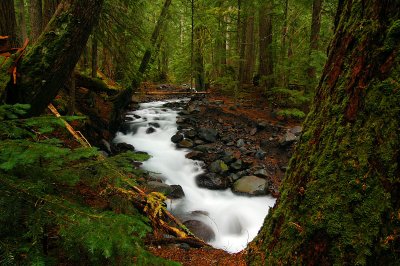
(150, 130)
(212, 181)
(251, 185)
(176, 193)
(185, 143)
(208, 134)
(178, 137)
(218, 167)
(200, 229)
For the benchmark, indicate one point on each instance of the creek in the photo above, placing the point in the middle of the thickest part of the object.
(234, 219)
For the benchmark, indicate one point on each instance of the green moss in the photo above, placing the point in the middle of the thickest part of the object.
(393, 35)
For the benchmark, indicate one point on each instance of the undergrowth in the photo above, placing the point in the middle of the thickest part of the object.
(58, 205)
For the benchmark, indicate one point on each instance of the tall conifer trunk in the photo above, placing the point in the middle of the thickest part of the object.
(340, 199)
(36, 19)
(266, 67)
(8, 24)
(50, 62)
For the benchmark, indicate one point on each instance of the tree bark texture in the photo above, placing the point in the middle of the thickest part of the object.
(50, 62)
(36, 19)
(21, 20)
(8, 24)
(49, 8)
(94, 56)
(266, 67)
(340, 199)
(199, 59)
(315, 33)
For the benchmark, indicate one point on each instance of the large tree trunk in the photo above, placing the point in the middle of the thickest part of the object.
(340, 199)
(284, 82)
(36, 19)
(8, 24)
(266, 67)
(94, 57)
(315, 31)
(50, 62)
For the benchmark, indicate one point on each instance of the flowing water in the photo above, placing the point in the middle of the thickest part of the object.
(234, 219)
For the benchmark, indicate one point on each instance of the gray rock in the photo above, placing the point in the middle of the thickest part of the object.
(253, 131)
(261, 173)
(212, 181)
(178, 137)
(206, 148)
(218, 167)
(237, 165)
(296, 130)
(186, 143)
(240, 143)
(191, 134)
(287, 139)
(228, 157)
(200, 229)
(198, 142)
(251, 185)
(208, 134)
(180, 120)
(260, 154)
(233, 177)
(193, 108)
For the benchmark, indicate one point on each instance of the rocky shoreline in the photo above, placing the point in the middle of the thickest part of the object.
(250, 157)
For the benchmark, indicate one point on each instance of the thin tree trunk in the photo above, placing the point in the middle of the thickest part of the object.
(36, 19)
(8, 24)
(71, 90)
(315, 31)
(199, 59)
(50, 62)
(247, 51)
(192, 45)
(21, 19)
(266, 67)
(94, 55)
(340, 198)
(283, 58)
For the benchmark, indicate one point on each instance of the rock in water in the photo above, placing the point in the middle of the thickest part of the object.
(178, 137)
(186, 143)
(200, 229)
(212, 181)
(251, 185)
(150, 130)
(218, 167)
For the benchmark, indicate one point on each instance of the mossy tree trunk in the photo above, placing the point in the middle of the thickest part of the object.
(50, 62)
(340, 199)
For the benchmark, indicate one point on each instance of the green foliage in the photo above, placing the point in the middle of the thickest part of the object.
(45, 219)
(289, 98)
(291, 114)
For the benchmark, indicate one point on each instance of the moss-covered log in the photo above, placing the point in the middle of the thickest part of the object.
(50, 62)
(340, 199)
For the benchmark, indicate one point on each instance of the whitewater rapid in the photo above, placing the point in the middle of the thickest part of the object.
(234, 219)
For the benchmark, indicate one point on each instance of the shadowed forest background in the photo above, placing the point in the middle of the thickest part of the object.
(75, 197)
